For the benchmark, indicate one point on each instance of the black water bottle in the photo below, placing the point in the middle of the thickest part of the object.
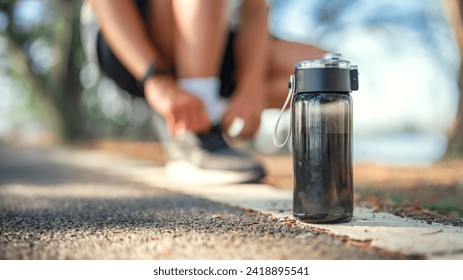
(322, 139)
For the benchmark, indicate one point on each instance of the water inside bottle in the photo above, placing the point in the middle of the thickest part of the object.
(323, 178)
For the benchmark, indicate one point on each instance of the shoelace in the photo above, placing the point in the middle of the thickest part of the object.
(213, 140)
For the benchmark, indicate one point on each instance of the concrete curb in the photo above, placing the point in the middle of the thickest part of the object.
(381, 230)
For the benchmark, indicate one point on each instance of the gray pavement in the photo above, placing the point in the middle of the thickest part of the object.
(51, 210)
(390, 233)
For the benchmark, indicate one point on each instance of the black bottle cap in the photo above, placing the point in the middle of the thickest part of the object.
(329, 74)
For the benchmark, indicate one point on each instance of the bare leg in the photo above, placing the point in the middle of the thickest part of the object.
(162, 30)
(190, 34)
(283, 57)
(181, 110)
(200, 37)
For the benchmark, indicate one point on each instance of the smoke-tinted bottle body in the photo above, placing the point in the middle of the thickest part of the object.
(322, 157)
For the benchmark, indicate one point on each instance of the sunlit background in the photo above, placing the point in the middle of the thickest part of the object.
(405, 50)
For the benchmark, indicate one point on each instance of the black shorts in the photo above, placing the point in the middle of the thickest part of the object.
(114, 69)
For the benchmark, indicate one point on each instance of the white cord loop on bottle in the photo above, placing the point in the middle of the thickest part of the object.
(288, 99)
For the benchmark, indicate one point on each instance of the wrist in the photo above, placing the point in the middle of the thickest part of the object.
(159, 86)
(152, 71)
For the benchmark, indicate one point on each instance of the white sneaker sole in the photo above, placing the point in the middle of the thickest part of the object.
(185, 172)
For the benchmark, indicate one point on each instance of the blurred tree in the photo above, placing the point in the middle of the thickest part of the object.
(45, 50)
(455, 144)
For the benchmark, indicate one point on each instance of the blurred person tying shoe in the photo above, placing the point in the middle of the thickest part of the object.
(206, 66)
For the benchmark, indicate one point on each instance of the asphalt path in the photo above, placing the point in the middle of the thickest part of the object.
(53, 211)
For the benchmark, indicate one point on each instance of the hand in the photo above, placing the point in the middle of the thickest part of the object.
(248, 105)
(182, 111)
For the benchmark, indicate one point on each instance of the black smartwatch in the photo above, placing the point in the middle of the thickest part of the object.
(151, 71)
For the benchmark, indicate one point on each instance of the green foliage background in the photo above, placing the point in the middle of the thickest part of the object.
(55, 94)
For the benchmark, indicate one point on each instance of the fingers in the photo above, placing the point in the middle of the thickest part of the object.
(250, 128)
(181, 110)
(239, 125)
(189, 114)
(227, 120)
(236, 127)
(179, 124)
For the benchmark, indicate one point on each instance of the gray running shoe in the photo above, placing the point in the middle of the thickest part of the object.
(208, 159)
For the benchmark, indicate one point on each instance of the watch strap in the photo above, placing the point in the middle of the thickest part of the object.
(151, 71)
